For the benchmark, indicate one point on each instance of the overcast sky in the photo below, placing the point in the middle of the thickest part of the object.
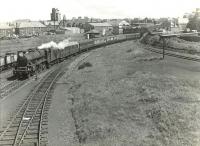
(40, 9)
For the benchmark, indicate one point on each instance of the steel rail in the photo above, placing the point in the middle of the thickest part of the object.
(41, 102)
(173, 54)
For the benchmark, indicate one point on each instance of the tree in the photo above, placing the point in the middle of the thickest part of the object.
(166, 24)
(194, 23)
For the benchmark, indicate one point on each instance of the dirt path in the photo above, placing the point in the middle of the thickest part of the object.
(125, 95)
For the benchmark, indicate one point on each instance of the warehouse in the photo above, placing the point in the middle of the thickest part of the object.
(30, 28)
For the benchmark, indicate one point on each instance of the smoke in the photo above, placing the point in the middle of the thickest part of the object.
(48, 45)
(60, 45)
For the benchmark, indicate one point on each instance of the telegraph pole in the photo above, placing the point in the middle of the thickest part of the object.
(163, 47)
(54, 24)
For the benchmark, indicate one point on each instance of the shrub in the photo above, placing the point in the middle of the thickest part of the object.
(85, 64)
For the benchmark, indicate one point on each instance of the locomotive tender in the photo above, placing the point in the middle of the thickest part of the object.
(35, 60)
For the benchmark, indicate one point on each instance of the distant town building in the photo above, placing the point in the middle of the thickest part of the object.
(71, 30)
(118, 26)
(119, 23)
(92, 34)
(102, 28)
(55, 15)
(6, 30)
(198, 12)
(75, 22)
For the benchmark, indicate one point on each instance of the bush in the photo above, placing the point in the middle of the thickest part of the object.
(85, 64)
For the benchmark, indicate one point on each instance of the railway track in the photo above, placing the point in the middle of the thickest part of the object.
(174, 54)
(28, 125)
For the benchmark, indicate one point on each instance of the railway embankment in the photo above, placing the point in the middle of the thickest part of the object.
(123, 94)
(173, 43)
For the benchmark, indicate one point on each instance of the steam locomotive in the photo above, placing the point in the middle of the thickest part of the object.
(37, 59)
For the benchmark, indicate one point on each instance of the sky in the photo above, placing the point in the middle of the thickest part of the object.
(40, 9)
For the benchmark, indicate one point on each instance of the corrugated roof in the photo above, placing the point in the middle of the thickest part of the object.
(5, 26)
(30, 24)
(101, 24)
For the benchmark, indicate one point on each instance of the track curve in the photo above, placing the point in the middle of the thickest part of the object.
(29, 124)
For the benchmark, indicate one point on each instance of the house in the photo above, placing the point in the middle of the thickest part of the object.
(102, 28)
(6, 30)
(29, 28)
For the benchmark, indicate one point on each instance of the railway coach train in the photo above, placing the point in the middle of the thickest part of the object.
(35, 60)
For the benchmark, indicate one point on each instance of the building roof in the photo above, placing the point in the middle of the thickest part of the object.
(101, 24)
(30, 24)
(69, 28)
(5, 26)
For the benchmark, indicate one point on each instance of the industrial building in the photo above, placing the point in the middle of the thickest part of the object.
(55, 15)
(29, 28)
